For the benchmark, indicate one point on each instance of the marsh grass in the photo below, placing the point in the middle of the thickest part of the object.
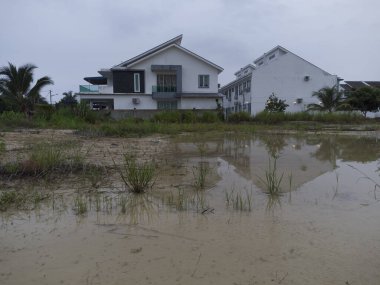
(137, 176)
(272, 179)
(239, 201)
(202, 170)
(185, 200)
(365, 176)
(46, 158)
(80, 204)
(2, 147)
(21, 200)
(200, 174)
(136, 207)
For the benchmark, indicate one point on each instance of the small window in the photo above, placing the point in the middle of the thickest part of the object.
(272, 56)
(261, 63)
(136, 82)
(204, 81)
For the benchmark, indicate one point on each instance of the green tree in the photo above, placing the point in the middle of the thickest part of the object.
(16, 87)
(365, 99)
(69, 99)
(274, 104)
(330, 100)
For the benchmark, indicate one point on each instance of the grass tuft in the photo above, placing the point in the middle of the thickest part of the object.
(138, 177)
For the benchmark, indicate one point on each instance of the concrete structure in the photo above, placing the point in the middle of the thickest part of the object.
(281, 72)
(165, 77)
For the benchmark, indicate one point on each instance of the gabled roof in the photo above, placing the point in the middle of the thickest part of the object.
(175, 42)
(287, 51)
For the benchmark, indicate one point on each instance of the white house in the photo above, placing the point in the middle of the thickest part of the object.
(281, 72)
(167, 76)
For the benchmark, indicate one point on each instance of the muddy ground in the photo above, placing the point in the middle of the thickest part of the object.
(325, 229)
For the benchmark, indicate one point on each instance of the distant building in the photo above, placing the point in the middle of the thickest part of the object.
(277, 71)
(165, 77)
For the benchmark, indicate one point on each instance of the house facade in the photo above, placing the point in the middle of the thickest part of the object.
(165, 77)
(279, 71)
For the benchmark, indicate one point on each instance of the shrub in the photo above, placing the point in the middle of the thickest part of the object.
(189, 117)
(167, 117)
(209, 117)
(239, 117)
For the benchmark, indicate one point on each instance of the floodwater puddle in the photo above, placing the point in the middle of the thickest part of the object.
(224, 209)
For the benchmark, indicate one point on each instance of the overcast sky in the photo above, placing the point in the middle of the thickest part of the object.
(72, 39)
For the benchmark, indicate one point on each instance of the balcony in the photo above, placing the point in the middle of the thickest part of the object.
(89, 88)
(164, 92)
(164, 89)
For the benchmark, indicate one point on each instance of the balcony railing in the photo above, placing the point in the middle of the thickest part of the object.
(164, 89)
(89, 88)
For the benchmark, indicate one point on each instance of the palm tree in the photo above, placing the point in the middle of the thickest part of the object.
(330, 99)
(16, 87)
(69, 99)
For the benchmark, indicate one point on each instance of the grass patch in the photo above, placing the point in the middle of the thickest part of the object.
(239, 201)
(20, 199)
(138, 177)
(47, 158)
(272, 178)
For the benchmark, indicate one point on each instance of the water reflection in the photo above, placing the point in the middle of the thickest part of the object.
(303, 157)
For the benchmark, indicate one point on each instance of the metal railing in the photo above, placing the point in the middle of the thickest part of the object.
(164, 89)
(89, 88)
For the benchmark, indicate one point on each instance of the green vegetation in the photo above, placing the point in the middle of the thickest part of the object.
(16, 90)
(239, 117)
(184, 200)
(20, 199)
(47, 158)
(238, 201)
(2, 147)
(275, 105)
(330, 100)
(138, 177)
(80, 204)
(272, 179)
(365, 99)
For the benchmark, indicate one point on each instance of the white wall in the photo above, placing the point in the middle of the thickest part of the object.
(199, 104)
(124, 101)
(191, 68)
(284, 75)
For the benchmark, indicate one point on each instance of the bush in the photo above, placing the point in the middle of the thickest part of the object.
(189, 117)
(11, 119)
(239, 117)
(209, 117)
(44, 111)
(167, 117)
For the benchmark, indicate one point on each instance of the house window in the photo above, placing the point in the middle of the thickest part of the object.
(204, 81)
(166, 83)
(261, 63)
(136, 82)
(272, 56)
(248, 86)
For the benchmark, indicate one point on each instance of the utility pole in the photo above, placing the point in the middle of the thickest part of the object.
(51, 95)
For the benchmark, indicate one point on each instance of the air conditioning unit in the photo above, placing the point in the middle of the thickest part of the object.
(136, 101)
